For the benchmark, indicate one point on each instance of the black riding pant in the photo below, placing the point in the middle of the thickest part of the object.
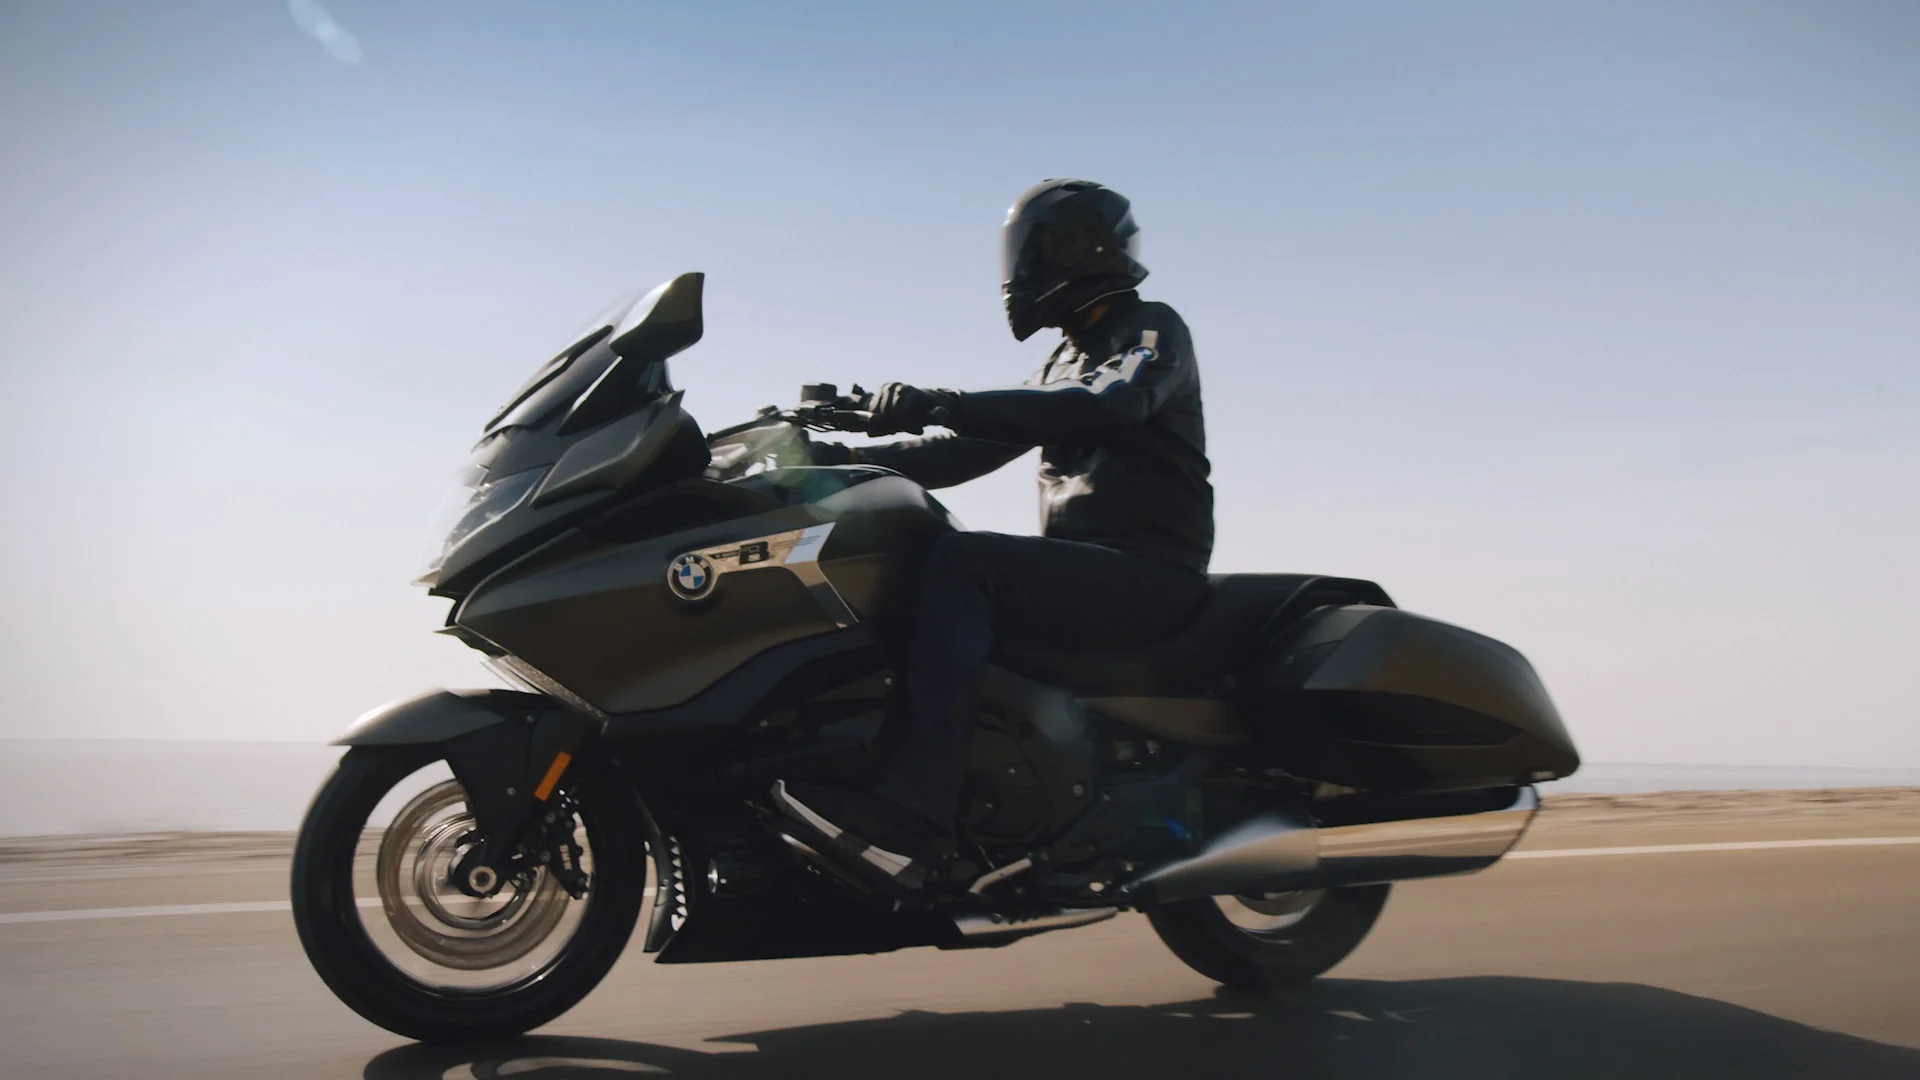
(978, 589)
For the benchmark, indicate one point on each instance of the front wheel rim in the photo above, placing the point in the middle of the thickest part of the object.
(442, 939)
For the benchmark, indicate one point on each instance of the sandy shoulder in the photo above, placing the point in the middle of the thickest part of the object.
(1711, 816)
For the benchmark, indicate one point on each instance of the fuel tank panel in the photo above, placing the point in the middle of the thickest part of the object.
(633, 622)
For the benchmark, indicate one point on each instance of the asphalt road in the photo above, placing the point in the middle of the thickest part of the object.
(1785, 962)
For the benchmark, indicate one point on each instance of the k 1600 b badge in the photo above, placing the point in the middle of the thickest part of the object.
(691, 576)
(694, 575)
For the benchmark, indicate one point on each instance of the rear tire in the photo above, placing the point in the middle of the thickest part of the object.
(354, 968)
(1202, 935)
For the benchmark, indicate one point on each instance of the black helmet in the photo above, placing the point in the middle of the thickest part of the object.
(1066, 244)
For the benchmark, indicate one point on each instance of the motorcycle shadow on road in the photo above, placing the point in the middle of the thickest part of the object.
(1472, 1027)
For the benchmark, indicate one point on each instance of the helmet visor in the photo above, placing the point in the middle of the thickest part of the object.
(1013, 245)
(1019, 237)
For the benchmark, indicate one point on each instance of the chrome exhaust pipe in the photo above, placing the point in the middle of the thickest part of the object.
(1281, 851)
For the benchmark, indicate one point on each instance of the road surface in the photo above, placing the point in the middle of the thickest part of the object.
(1736, 961)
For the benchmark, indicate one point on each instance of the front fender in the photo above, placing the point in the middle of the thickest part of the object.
(440, 715)
(509, 750)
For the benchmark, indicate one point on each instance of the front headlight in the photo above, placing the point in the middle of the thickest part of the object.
(486, 502)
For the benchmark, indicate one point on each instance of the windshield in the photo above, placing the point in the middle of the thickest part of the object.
(636, 334)
(560, 379)
(594, 420)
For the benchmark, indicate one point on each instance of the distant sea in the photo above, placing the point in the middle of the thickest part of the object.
(66, 786)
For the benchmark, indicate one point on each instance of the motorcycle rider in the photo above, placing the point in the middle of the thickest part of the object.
(1126, 506)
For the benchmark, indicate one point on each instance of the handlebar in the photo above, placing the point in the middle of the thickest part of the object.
(822, 408)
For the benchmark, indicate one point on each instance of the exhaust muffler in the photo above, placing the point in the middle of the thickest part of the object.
(1282, 851)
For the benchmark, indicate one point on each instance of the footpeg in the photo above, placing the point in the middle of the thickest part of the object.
(897, 869)
(994, 877)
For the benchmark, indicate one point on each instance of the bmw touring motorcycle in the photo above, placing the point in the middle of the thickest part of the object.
(696, 619)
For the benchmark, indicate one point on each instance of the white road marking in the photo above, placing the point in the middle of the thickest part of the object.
(84, 914)
(1738, 845)
(241, 908)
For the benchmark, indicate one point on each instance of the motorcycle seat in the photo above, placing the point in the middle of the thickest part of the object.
(1223, 635)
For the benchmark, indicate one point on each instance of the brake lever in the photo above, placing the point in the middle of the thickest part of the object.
(853, 420)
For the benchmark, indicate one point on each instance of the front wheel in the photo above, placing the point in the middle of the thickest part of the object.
(401, 947)
(1262, 943)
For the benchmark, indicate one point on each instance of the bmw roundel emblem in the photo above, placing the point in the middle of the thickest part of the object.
(691, 576)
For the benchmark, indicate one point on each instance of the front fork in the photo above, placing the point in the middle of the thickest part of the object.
(512, 775)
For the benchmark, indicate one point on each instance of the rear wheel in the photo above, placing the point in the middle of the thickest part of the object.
(403, 948)
(1265, 942)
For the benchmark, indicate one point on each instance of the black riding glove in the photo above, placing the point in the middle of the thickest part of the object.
(830, 453)
(899, 408)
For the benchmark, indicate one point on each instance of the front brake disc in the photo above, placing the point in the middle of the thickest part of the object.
(437, 921)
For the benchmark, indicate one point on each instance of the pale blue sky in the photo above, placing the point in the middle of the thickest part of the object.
(1595, 327)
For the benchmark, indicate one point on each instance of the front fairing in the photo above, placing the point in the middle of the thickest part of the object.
(598, 420)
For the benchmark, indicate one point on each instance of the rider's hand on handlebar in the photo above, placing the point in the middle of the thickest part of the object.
(829, 453)
(901, 408)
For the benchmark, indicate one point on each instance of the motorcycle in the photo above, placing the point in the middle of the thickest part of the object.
(695, 620)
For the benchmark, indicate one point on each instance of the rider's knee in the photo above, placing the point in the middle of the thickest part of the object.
(958, 556)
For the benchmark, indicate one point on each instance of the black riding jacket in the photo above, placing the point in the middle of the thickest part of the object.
(1123, 459)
